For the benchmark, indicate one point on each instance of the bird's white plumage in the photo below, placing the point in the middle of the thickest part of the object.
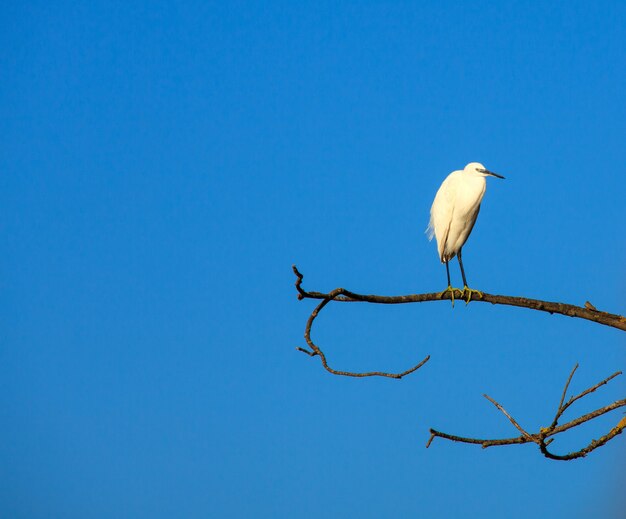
(455, 209)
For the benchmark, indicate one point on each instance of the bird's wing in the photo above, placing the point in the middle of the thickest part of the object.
(441, 209)
(441, 214)
(441, 245)
(440, 232)
(473, 221)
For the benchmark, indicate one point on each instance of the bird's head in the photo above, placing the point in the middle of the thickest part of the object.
(477, 169)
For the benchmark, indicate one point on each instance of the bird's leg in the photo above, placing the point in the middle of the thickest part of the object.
(462, 270)
(467, 290)
(449, 289)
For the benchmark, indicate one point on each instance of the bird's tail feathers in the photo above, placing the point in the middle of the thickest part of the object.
(430, 231)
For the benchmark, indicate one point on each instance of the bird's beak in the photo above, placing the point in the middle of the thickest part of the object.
(491, 173)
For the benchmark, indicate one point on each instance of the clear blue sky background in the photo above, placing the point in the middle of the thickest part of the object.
(164, 163)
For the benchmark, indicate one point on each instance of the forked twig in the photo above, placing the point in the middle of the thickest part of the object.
(339, 294)
(546, 435)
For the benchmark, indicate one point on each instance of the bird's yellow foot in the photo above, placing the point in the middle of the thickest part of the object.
(451, 290)
(469, 291)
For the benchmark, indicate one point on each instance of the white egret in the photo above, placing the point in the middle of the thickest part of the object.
(453, 215)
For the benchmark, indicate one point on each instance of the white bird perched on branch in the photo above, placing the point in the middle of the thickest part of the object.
(453, 215)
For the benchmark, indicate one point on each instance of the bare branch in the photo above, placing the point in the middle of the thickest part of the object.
(590, 314)
(586, 450)
(438, 434)
(316, 351)
(545, 436)
(345, 296)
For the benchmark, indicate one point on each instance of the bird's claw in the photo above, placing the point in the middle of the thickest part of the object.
(451, 290)
(469, 291)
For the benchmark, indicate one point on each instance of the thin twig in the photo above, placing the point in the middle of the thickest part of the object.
(591, 389)
(560, 409)
(316, 350)
(511, 419)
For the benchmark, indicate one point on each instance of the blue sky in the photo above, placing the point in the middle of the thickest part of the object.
(164, 164)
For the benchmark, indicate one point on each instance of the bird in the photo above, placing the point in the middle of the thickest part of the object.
(453, 215)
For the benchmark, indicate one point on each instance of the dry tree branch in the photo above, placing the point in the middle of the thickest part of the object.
(316, 351)
(588, 312)
(546, 435)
